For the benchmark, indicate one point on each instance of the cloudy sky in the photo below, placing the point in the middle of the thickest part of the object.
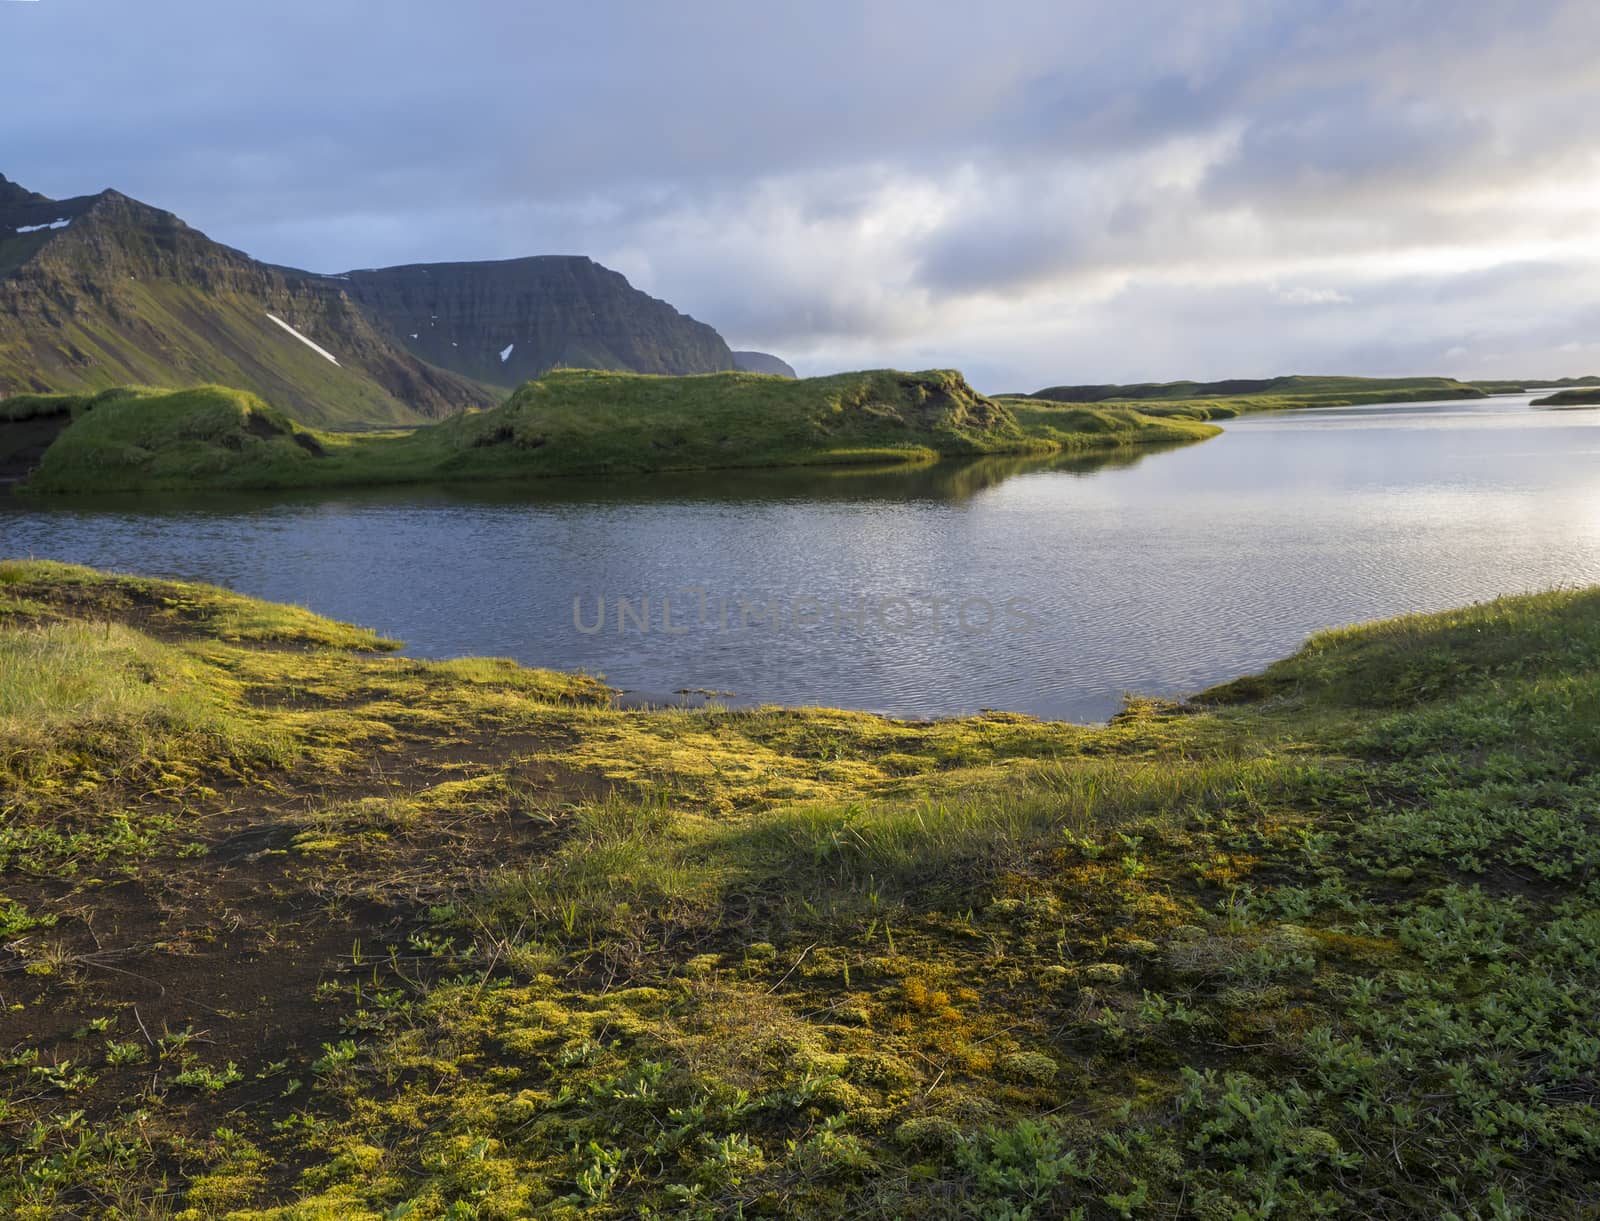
(1032, 192)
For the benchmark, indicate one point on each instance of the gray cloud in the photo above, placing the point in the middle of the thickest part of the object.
(1040, 192)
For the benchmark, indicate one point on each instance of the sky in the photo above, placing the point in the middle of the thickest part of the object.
(1035, 193)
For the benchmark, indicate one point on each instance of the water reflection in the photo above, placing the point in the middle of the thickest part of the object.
(1159, 571)
(951, 480)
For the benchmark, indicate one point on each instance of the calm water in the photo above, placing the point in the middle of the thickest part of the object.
(1039, 586)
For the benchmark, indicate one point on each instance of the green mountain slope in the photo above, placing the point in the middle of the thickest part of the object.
(103, 290)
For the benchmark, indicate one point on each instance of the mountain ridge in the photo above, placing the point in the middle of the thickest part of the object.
(763, 362)
(507, 321)
(104, 290)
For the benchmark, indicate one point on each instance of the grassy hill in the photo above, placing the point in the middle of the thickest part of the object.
(1570, 398)
(578, 422)
(1532, 383)
(142, 437)
(292, 930)
(1300, 391)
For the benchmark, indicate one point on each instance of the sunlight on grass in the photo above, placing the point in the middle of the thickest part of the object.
(1316, 942)
(582, 421)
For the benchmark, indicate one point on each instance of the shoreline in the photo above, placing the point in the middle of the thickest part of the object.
(408, 929)
(579, 423)
(613, 425)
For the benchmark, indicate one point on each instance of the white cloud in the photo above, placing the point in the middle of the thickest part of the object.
(1070, 194)
(1311, 296)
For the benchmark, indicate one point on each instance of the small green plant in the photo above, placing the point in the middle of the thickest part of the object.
(124, 1053)
(1015, 1171)
(335, 1056)
(204, 1077)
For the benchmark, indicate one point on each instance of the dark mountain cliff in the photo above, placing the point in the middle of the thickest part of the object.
(506, 322)
(762, 362)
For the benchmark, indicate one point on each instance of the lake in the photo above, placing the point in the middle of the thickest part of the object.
(1049, 587)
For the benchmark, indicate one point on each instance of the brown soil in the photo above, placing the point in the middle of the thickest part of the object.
(233, 943)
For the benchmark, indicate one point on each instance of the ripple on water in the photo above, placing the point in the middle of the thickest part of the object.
(1163, 576)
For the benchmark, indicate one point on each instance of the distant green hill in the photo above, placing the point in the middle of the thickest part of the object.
(1327, 391)
(1570, 398)
(575, 422)
(1519, 385)
(579, 421)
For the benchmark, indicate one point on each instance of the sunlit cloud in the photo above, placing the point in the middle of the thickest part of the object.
(1072, 194)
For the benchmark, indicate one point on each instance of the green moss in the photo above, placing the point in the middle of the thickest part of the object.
(18, 407)
(1030, 1066)
(207, 435)
(1319, 943)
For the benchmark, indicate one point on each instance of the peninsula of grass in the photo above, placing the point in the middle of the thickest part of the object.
(576, 422)
(291, 929)
(1589, 397)
(1270, 393)
(1523, 385)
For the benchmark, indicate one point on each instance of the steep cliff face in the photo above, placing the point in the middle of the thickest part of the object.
(762, 362)
(506, 322)
(103, 290)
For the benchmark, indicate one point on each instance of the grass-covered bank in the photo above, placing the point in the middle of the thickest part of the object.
(1224, 408)
(577, 422)
(1269, 393)
(1588, 397)
(294, 929)
(1227, 400)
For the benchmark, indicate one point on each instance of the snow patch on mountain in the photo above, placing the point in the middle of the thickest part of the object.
(320, 351)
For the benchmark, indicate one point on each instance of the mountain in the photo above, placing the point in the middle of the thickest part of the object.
(506, 322)
(762, 362)
(103, 290)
